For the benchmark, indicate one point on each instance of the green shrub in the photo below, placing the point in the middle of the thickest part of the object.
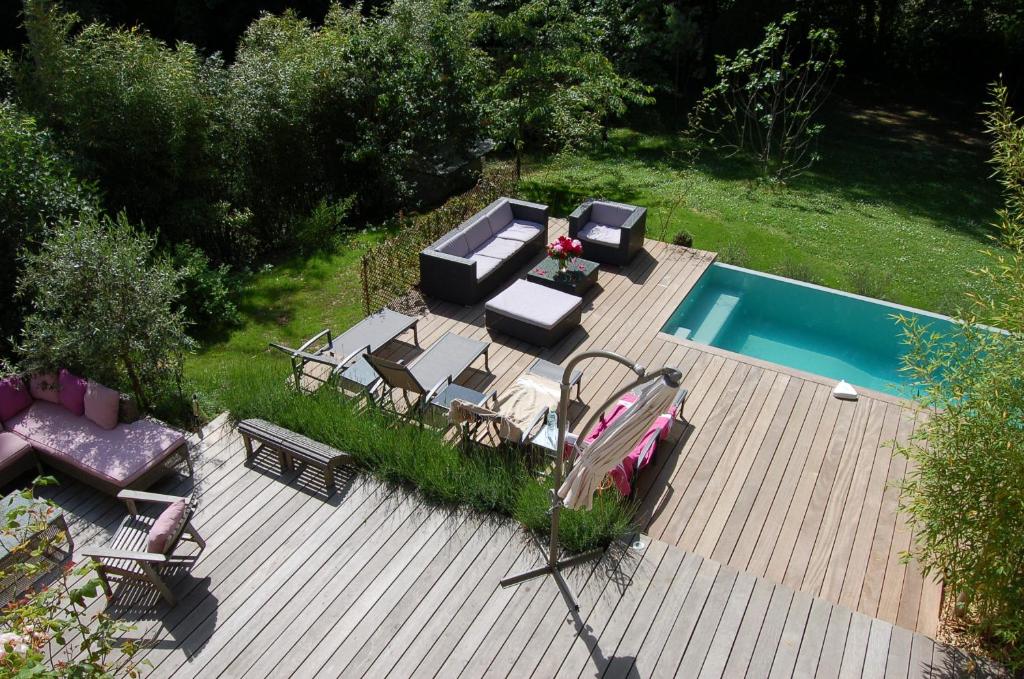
(140, 118)
(964, 496)
(207, 291)
(356, 107)
(37, 187)
(400, 452)
(684, 239)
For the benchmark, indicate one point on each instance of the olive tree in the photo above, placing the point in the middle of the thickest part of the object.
(965, 495)
(103, 303)
(766, 100)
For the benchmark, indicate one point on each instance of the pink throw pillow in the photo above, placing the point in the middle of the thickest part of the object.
(101, 404)
(45, 387)
(72, 392)
(166, 528)
(14, 397)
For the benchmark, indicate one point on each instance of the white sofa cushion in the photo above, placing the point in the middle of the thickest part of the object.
(610, 214)
(520, 230)
(500, 216)
(599, 233)
(477, 233)
(455, 246)
(499, 248)
(484, 264)
(534, 304)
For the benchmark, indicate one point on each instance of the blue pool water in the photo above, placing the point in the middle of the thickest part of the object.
(803, 326)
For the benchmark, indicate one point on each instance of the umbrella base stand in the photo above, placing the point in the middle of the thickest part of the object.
(554, 570)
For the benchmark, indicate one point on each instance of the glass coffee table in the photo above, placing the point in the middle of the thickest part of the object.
(580, 275)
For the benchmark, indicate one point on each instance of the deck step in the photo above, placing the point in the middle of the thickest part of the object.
(721, 310)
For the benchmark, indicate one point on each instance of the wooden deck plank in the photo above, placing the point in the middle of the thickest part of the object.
(793, 632)
(830, 660)
(699, 645)
(813, 639)
(685, 623)
(726, 632)
(746, 635)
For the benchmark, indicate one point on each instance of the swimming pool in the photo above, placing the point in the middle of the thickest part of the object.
(803, 326)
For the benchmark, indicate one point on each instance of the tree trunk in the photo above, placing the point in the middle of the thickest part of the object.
(133, 376)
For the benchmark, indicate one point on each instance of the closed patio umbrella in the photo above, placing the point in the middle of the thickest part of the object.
(596, 459)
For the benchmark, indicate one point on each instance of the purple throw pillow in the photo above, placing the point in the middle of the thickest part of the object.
(72, 392)
(101, 405)
(14, 397)
(44, 387)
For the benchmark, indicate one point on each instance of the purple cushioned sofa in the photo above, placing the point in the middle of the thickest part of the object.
(131, 455)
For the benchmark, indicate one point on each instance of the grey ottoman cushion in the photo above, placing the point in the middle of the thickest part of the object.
(534, 304)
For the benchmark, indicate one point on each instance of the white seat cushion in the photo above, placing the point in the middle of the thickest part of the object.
(612, 214)
(477, 233)
(499, 248)
(500, 216)
(534, 304)
(484, 264)
(520, 230)
(456, 246)
(601, 233)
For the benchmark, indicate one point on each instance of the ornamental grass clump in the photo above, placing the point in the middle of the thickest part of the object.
(965, 494)
(402, 452)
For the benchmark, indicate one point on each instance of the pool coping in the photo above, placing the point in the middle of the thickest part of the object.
(785, 369)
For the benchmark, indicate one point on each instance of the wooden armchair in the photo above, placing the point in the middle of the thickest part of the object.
(127, 557)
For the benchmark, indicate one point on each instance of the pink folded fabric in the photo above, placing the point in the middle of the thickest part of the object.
(643, 451)
(166, 528)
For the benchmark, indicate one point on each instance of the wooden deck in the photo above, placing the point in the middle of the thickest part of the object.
(773, 477)
(772, 543)
(372, 582)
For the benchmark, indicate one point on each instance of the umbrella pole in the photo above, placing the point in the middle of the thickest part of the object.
(553, 565)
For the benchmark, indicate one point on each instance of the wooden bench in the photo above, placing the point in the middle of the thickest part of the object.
(290, 446)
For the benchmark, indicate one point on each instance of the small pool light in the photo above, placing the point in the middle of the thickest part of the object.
(845, 391)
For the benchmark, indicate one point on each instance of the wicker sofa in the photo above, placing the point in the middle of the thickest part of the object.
(130, 455)
(469, 262)
(611, 233)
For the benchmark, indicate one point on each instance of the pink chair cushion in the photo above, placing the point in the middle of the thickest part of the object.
(72, 392)
(101, 405)
(45, 387)
(117, 456)
(643, 451)
(166, 528)
(14, 397)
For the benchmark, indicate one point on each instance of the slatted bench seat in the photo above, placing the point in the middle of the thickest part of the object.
(290, 446)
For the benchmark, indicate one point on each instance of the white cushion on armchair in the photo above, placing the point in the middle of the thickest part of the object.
(610, 214)
(600, 233)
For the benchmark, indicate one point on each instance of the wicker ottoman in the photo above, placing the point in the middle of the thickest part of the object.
(533, 313)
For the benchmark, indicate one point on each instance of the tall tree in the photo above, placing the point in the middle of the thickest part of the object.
(555, 86)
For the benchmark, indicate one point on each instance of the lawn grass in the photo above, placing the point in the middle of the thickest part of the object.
(898, 208)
